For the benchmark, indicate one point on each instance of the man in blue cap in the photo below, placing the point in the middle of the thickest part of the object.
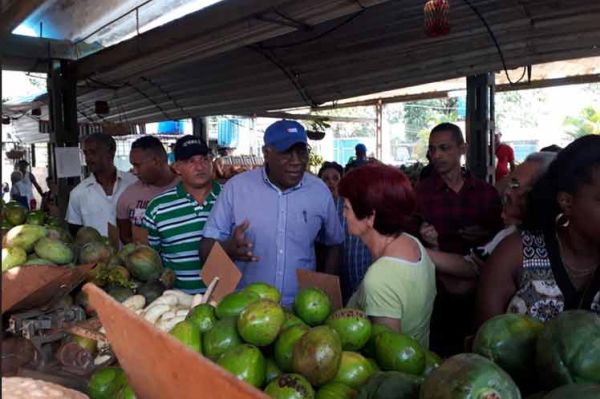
(361, 157)
(268, 219)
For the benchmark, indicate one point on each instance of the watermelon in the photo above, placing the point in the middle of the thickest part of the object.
(568, 349)
(144, 264)
(509, 341)
(391, 385)
(469, 376)
(151, 290)
(575, 391)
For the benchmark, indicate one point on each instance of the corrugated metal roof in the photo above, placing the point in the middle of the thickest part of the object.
(379, 48)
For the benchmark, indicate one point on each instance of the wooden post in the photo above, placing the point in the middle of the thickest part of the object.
(64, 129)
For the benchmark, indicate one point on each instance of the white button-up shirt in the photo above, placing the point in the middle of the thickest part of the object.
(90, 206)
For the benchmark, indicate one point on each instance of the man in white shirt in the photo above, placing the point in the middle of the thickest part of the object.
(93, 202)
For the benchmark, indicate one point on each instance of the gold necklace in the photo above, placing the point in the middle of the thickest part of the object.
(573, 272)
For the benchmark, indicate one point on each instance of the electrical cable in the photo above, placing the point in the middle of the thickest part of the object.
(290, 74)
(319, 36)
(491, 33)
(169, 96)
(135, 88)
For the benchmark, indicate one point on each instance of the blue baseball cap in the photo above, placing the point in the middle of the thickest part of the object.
(283, 134)
(361, 148)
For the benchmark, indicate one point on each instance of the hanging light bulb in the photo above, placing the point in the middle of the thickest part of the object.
(436, 17)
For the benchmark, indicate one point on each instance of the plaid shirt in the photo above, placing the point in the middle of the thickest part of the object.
(357, 257)
(477, 203)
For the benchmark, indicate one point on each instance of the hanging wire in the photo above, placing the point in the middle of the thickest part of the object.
(169, 96)
(491, 33)
(319, 36)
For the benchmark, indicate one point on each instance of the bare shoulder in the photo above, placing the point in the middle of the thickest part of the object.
(508, 255)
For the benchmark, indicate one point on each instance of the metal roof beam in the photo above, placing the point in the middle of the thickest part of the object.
(24, 53)
(309, 117)
(217, 29)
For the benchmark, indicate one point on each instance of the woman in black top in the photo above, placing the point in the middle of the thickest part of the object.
(553, 264)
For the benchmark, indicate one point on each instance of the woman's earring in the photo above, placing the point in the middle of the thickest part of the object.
(562, 220)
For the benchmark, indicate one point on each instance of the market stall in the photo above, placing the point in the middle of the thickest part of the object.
(124, 334)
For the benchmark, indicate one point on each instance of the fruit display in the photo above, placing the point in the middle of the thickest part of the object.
(292, 355)
(310, 350)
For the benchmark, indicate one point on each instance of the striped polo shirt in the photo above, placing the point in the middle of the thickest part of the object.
(175, 222)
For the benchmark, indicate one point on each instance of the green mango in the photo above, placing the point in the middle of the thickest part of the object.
(24, 236)
(284, 346)
(264, 291)
(259, 323)
(12, 257)
(317, 355)
(203, 316)
(233, 304)
(189, 334)
(272, 371)
(354, 370)
(106, 383)
(246, 362)
(221, 337)
(353, 327)
(336, 390)
(312, 305)
(290, 386)
(399, 352)
(54, 251)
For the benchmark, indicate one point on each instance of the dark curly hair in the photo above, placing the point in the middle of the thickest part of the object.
(573, 167)
(331, 165)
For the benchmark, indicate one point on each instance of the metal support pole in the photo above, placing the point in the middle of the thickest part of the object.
(379, 129)
(199, 128)
(480, 126)
(64, 129)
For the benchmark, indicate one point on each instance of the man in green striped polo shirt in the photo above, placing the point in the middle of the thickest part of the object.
(175, 219)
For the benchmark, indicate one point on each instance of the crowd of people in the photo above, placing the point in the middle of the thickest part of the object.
(433, 261)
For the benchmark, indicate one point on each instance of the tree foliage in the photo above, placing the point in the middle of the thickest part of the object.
(587, 122)
(421, 116)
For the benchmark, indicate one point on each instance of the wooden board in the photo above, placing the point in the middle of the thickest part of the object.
(219, 264)
(327, 282)
(157, 365)
(28, 287)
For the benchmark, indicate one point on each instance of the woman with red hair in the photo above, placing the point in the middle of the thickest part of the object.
(398, 289)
